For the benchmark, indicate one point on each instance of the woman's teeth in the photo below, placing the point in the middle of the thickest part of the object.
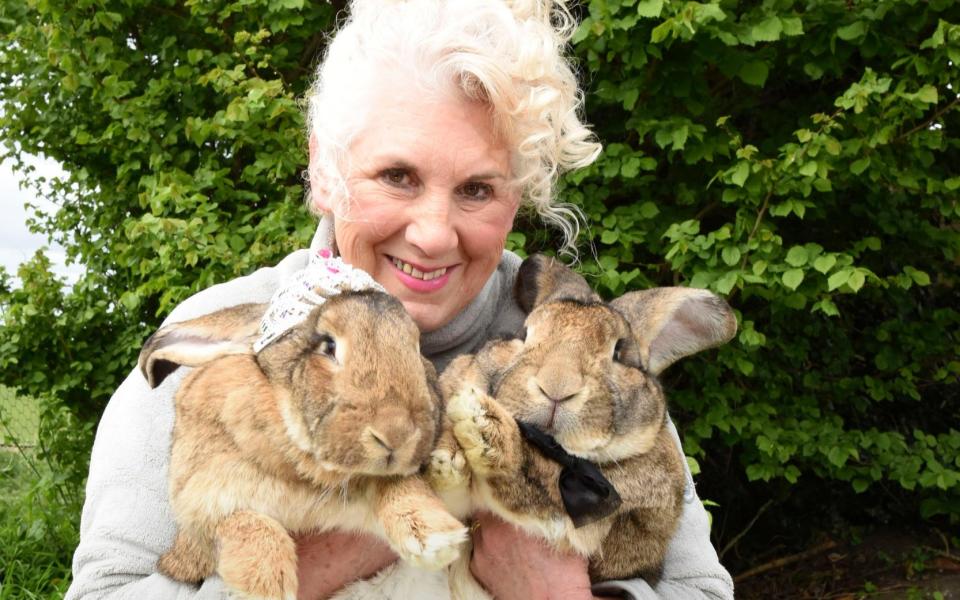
(416, 273)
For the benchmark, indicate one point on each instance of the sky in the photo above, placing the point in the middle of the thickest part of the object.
(17, 244)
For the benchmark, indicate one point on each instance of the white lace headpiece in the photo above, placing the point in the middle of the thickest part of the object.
(324, 276)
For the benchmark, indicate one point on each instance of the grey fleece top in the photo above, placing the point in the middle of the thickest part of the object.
(127, 522)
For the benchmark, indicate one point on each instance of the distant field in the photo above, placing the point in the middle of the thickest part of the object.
(19, 419)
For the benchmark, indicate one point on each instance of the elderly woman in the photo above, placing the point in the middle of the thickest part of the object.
(431, 123)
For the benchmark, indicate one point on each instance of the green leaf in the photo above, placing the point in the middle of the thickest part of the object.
(809, 168)
(793, 278)
(679, 138)
(767, 30)
(649, 8)
(610, 236)
(630, 167)
(828, 307)
(852, 31)
(661, 31)
(919, 277)
(856, 280)
(859, 166)
(701, 279)
(837, 456)
(837, 279)
(824, 263)
(928, 94)
(740, 173)
(754, 73)
(730, 255)
(797, 256)
(648, 210)
(725, 284)
(792, 26)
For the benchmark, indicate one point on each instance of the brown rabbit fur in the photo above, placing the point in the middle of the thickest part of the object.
(585, 373)
(324, 428)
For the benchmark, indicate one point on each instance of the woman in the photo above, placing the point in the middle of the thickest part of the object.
(431, 123)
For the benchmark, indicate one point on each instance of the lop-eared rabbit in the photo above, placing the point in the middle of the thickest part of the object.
(326, 427)
(585, 374)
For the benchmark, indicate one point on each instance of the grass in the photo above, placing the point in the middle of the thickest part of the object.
(38, 521)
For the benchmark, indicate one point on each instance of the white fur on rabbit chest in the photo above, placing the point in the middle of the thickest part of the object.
(298, 507)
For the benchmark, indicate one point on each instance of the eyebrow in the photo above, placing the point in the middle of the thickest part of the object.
(399, 163)
(487, 175)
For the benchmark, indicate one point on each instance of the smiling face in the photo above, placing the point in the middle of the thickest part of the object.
(431, 201)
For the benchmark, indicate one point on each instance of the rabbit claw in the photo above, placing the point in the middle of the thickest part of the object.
(447, 469)
(481, 428)
(435, 550)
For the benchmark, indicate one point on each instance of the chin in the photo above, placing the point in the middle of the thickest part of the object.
(427, 322)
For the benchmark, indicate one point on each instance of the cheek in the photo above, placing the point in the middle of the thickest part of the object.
(485, 235)
(364, 224)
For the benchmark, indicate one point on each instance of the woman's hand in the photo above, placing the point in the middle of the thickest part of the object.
(511, 564)
(327, 562)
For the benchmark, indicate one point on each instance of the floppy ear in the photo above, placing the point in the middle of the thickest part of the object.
(545, 279)
(198, 341)
(673, 322)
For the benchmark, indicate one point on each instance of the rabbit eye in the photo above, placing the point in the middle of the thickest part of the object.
(326, 345)
(625, 353)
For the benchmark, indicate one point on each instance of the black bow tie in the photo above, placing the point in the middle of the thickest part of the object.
(587, 495)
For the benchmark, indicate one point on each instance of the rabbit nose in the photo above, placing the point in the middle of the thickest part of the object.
(555, 399)
(559, 380)
(392, 438)
(379, 439)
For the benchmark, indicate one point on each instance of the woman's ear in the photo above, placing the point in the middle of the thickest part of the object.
(319, 186)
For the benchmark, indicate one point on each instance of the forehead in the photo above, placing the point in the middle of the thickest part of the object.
(428, 129)
(565, 318)
(366, 314)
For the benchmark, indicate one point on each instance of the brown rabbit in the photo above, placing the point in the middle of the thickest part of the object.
(324, 428)
(586, 373)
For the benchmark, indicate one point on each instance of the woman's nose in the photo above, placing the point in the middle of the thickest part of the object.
(431, 228)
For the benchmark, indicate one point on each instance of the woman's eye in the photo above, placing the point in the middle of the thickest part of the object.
(476, 190)
(396, 177)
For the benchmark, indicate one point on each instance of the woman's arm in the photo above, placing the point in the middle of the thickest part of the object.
(127, 522)
(328, 562)
(512, 564)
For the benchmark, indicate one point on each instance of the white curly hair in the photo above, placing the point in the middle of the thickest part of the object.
(506, 54)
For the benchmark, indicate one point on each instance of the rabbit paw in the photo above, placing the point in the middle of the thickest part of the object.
(487, 434)
(447, 470)
(433, 540)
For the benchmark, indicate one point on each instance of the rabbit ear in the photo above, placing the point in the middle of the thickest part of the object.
(545, 279)
(198, 341)
(672, 322)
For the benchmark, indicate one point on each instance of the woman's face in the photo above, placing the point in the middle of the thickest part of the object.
(430, 202)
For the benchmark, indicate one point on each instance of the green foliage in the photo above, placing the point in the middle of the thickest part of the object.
(180, 128)
(41, 493)
(797, 158)
(800, 159)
